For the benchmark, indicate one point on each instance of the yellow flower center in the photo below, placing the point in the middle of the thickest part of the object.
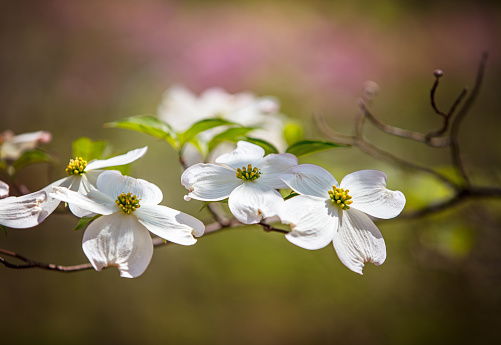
(340, 197)
(248, 174)
(76, 166)
(128, 203)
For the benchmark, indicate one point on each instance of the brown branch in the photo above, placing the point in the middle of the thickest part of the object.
(456, 124)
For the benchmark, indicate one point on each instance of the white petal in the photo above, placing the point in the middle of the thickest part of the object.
(118, 240)
(209, 182)
(309, 179)
(113, 183)
(245, 154)
(15, 145)
(252, 201)
(51, 203)
(23, 211)
(126, 158)
(4, 190)
(274, 165)
(358, 241)
(95, 201)
(87, 183)
(313, 221)
(172, 225)
(369, 193)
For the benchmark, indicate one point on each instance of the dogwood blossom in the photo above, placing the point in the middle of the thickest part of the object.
(129, 208)
(326, 211)
(181, 109)
(246, 177)
(82, 177)
(13, 146)
(23, 211)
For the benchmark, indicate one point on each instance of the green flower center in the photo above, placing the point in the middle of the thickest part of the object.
(249, 173)
(76, 166)
(128, 203)
(340, 197)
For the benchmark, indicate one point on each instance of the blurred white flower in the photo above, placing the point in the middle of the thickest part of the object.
(327, 212)
(181, 109)
(83, 176)
(245, 177)
(13, 146)
(23, 211)
(130, 208)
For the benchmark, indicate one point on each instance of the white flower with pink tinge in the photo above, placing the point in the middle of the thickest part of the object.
(326, 211)
(129, 209)
(13, 146)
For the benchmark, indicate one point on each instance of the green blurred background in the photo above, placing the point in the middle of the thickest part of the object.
(69, 66)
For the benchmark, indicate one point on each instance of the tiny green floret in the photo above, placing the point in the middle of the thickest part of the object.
(128, 203)
(340, 197)
(76, 166)
(249, 173)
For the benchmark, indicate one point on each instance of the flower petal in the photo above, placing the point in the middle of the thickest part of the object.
(209, 182)
(370, 195)
(118, 240)
(274, 165)
(113, 183)
(313, 221)
(358, 241)
(170, 224)
(95, 201)
(126, 158)
(23, 211)
(252, 201)
(4, 190)
(86, 184)
(51, 203)
(245, 154)
(309, 179)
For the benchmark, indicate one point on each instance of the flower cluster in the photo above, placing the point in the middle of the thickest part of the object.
(121, 211)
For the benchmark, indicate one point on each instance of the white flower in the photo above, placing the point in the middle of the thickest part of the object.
(23, 211)
(326, 211)
(244, 176)
(181, 109)
(83, 176)
(130, 208)
(13, 146)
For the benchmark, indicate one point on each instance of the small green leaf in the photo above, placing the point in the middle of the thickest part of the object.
(84, 221)
(293, 132)
(201, 126)
(291, 195)
(148, 125)
(310, 146)
(31, 157)
(268, 147)
(89, 149)
(232, 134)
(4, 229)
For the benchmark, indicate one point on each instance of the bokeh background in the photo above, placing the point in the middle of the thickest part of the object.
(69, 66)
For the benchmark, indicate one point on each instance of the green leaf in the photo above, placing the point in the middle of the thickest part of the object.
(4, 229)
(201, 126)
(305, 147)
(31, 157)
(148, 125)
(268, 147)
(84, 221)
(89, 149)
(291, 195)
(293, 132)
(232, 134)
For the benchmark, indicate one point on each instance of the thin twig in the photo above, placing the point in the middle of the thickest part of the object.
(456, 124)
